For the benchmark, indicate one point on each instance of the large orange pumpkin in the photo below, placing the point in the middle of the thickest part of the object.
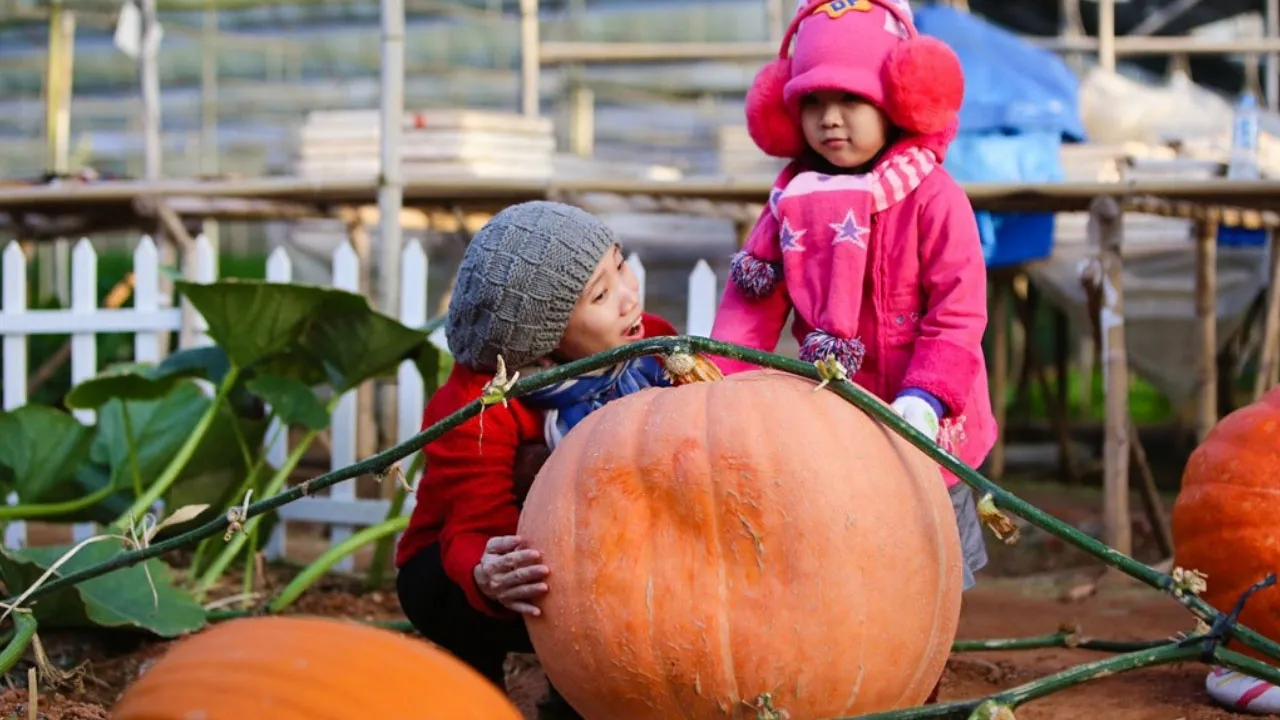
(1225, 518)
(720, 546)
(309, 668)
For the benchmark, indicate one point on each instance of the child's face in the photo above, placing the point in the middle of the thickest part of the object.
(843, 128)
(608, 312)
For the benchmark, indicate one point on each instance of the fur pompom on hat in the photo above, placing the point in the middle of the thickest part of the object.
(869, 48)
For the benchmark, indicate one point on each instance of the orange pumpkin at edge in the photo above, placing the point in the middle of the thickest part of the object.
(1224, 519)
(309, 668)
(719, 543)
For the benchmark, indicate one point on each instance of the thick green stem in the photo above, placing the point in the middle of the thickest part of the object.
(380, 462)
(32, 512)
(179, 461)
(1168, 652)
(1062, 639)
(324, 563)
(131, 447)
(24, 629)
(382, 552)
(216, 616)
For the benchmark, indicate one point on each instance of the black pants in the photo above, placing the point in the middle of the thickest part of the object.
(439, 610)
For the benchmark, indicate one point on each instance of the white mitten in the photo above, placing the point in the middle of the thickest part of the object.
(918, 412)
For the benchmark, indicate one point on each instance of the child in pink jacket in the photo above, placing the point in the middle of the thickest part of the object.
(866, 238)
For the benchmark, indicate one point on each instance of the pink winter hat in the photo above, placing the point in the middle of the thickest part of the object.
(843, 45)
(866, 47)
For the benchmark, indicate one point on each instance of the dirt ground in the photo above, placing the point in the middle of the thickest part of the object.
(1030, 589)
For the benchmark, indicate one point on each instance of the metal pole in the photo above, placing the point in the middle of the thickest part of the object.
(57, 84)
(391, 183)
(530, 62)
(390, 188)
(209, 90)
(150, 79)
(1107, 35)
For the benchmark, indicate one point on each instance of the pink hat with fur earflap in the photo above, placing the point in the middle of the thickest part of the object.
(866, 47)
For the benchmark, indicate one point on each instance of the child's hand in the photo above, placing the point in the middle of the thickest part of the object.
(511, 574)
(918, 413)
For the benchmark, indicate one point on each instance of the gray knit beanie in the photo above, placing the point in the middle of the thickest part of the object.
(519, 280)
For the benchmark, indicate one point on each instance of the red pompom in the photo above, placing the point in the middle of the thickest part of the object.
(924, 85)
(769, 123)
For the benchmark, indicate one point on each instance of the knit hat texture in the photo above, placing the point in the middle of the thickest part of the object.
(519, 280)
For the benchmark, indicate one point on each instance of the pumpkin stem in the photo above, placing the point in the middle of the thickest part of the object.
(1188, 582)
(830, 370)
(992, 710)
(683, 368)
(495, 391)
(766, 711)
(997, 521)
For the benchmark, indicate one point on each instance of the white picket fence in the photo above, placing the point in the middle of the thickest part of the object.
(153, 314)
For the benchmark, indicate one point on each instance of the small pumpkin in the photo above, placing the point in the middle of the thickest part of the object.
(721, 548)
(312, 668)
(1224, 519)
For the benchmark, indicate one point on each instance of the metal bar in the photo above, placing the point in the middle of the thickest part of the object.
(530, 59)
(391, 182)
(565, 53)
(149, 75)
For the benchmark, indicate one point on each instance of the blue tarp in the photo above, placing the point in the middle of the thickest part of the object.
(1021, 104)
(1011, 86)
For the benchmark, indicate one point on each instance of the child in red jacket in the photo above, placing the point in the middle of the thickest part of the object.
(542, 283)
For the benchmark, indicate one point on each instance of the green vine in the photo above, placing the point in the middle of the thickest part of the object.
(1207, 646)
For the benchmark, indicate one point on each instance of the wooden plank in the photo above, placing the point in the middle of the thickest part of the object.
(1207, 323)
(1107, 234)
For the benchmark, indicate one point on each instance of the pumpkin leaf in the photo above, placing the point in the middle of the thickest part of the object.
(40, 449)
(160, 427)
(357, 343)
(119, 599)
(207, 361)
(291, 400)
(252, 319)
(126, 382)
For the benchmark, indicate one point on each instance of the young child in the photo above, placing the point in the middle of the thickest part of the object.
(542, 283)
(865, 237)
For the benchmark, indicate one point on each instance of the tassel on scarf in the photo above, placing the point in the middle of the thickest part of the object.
(756, 278)
(818, 345)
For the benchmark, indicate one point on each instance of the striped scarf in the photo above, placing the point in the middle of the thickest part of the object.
(566, 403)
(815, 234)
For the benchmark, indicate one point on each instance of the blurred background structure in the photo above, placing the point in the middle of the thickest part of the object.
(306, 127)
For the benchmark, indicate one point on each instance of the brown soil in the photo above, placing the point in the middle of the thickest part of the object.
(1075, 591)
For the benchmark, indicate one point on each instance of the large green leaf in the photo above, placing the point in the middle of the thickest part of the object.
(160, 427)
(358, 344)
(291, 400)
(40, 449)
(211, 363)
(127, 382)
(119, 599)
(253, 320)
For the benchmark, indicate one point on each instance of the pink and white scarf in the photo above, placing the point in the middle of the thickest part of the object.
(814, 234)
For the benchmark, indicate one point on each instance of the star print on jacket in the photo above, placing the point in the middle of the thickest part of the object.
(849, 231)
(789, 237)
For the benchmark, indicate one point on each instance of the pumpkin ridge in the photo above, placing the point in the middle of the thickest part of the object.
(715, 489)
(863, 599)
(938, 522)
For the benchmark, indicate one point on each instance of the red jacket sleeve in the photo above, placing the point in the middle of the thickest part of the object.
(470, 470)
(953, 274)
